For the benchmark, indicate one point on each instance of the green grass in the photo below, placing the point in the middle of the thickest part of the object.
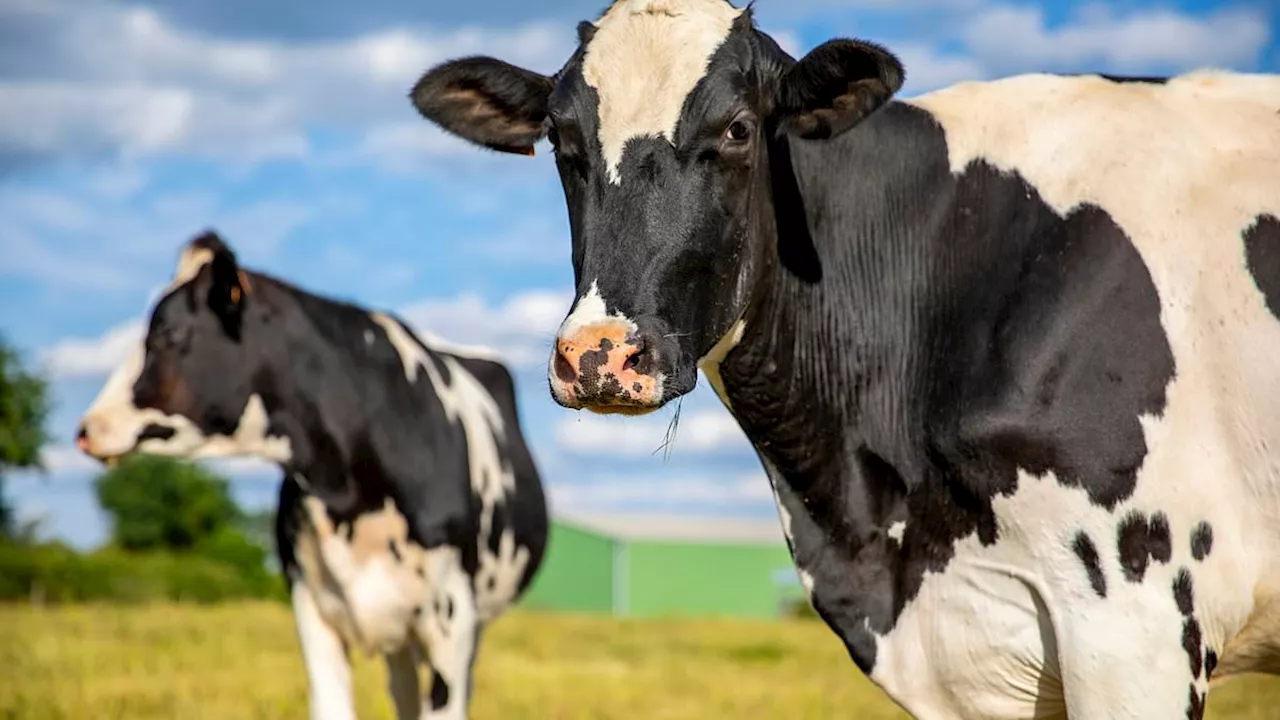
(241, 662)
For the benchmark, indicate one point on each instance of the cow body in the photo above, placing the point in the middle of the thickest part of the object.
(1003, 349)
(411, 513)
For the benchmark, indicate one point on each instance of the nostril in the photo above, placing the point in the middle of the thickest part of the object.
(82, 437)
(635, 362)
(564, 369)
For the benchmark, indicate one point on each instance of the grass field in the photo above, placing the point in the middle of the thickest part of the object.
(241, 662)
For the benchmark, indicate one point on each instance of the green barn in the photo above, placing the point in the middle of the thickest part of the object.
(645, 566)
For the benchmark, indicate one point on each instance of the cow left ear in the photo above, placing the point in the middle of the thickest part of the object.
(834, 87)
(228, 292)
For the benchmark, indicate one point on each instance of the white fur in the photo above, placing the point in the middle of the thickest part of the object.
(710, 363)
(328, 672)
(644, 60)
(1184, 169)
(467, 401)
(590, 311)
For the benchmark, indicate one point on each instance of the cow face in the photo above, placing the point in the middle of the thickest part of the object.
(187, 391)
(665, 123)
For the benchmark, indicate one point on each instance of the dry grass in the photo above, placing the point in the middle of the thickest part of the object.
(241, 662)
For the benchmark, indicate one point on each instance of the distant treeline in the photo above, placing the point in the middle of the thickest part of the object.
(176, 534)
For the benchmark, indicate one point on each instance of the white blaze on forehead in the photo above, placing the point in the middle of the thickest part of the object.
(644, 60)
(590, 310)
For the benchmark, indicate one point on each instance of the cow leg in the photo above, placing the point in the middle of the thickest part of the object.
(325, 657)
(402, 680)
(1135, 654)
(447, 627)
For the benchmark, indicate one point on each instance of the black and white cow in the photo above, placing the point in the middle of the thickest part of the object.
(1006, 350)
(411, 512)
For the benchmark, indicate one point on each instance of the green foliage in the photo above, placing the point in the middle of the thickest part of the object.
(161, 504)
(24, 405)
(55, 573)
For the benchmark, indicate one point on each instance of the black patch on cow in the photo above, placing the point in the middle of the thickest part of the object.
(1210, 664)
(448, 608)
(1088, 554)
(439, 691)
(1147, 79)
(1262, 252)
(589, 364)
(1201, 540)
(1159, 538)
(156, 432)
(1132, 537)
(1182, 593)
(1192, 642)
(962, 333)
(1195, 704)
(395, 551)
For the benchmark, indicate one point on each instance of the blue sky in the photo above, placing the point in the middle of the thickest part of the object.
(125, 128)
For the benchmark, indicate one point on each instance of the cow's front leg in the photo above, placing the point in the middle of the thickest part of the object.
(448, 630)
(325, 657)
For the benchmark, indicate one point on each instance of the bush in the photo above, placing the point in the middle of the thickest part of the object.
(56, 573)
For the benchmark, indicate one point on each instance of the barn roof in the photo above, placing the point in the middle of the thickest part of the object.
(678, 528)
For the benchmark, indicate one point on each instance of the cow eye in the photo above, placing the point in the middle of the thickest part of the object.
(738, 131)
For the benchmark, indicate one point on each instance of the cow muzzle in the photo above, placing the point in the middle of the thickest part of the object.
(607, 368)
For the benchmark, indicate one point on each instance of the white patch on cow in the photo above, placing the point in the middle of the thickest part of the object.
(369, 337)
(1183, 169)
(896, 530)
(590, 311)
(466, 401)
(190, 262)
(806, 581)
(325, 658)
(644, 60)
(367, 594)
(710, 363)
(447, 629)
(362, 594)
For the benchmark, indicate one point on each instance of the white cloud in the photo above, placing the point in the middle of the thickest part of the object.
(734, 492)
(703, 431)
(928, 70)
(520, 329)
(1011, 38)
(91, 357)
(121, 81)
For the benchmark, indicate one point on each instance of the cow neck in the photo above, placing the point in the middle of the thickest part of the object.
(317, 402)
(824, 382)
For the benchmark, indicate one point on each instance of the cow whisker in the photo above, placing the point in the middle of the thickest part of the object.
(670, 437)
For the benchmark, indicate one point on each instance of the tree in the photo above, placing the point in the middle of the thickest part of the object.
(24, 405)
(162, 504)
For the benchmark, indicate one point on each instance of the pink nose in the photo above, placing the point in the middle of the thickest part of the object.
(605, 369)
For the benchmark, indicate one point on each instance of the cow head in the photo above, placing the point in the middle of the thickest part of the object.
(664, 124)
(188, 389)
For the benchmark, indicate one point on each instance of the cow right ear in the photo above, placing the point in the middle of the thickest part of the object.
(487, 102)
(835, 87)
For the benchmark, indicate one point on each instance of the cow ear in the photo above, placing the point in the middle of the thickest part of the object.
(228, 291)
(834, 87)
(486, 101)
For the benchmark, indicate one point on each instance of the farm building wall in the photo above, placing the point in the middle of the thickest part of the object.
(576, 574)
(586, 570)
(709, 579)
